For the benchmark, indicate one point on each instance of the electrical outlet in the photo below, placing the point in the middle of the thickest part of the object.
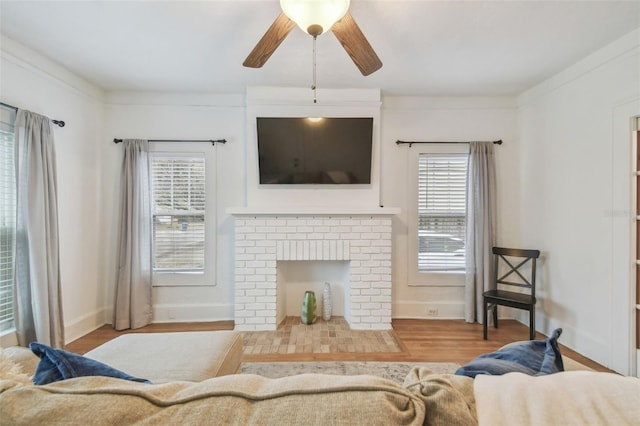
(432, 312)
(171, 314)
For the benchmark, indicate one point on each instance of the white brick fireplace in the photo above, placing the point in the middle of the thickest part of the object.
(361, 237)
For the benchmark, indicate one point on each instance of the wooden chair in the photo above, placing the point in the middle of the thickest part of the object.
(516, 276)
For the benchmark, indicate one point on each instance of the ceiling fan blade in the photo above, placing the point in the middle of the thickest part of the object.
(356, 44)
(269, 42)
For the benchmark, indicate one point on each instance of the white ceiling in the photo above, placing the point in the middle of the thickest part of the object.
(430, 48)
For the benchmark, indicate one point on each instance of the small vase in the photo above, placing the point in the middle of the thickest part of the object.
(327, 305)
(308, 314)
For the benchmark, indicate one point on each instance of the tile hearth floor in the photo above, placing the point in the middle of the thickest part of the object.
(333, 336)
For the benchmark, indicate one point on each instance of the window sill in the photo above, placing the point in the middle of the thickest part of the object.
(183, 284)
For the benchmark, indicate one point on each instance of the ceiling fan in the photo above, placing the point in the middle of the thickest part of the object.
(316, 17)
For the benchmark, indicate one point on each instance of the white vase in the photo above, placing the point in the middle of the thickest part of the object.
(327, 305)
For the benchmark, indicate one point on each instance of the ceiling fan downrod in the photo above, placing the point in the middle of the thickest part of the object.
(313, 85)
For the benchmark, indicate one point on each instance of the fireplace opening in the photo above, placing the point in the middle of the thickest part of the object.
(296, 277)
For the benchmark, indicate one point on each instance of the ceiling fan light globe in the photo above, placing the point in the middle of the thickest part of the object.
(313, 13)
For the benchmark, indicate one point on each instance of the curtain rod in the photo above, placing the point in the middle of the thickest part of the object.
(498, 142)
(58, 122)
(211, 141)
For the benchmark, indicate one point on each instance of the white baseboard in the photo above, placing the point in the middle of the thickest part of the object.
(84, 325)
(192, 313)
(72, 330)
(575, 339)
(168, 313)
(427, 310)
(440, 310)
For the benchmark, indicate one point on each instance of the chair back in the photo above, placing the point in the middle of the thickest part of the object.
(514, 262)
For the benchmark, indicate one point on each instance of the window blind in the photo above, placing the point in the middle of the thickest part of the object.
(442, 191)
(178, 188)
(7, 216)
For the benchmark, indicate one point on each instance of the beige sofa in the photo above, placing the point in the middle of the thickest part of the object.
(572, 397)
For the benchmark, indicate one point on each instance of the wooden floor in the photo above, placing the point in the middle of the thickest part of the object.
(420, 340)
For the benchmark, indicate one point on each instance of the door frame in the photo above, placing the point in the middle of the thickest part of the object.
(623, 218)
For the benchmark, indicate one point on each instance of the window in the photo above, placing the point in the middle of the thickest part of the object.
(7, 216)
(442, 182)
(184, 214)
(436, 214)
(179, 201)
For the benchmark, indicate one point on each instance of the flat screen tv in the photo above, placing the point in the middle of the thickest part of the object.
(314, 150)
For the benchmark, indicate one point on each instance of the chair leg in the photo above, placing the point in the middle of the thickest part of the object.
(495, 315)
(532, 324)
(484, 323)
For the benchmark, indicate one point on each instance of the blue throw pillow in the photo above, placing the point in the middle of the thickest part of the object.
(56, 364)
(535, 358)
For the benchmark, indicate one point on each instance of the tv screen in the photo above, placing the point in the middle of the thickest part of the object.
(314, 150)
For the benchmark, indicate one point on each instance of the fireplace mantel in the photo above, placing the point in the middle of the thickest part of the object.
(313, 211)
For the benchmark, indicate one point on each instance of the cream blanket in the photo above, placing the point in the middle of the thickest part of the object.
(567, 398)
(310, 399)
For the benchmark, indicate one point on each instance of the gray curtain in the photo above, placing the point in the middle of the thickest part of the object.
(132, 303)
(38, 304)
(481, 227)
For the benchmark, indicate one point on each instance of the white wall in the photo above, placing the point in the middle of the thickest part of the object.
(178, 116)
(298, 102)
(450, 120)
(32, 82)
(575, 198)
(164, 116)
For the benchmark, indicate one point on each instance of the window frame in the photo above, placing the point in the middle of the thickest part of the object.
(208, 275)
(415, 276)
(7, 122)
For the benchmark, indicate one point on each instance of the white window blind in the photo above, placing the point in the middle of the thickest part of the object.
(442, 189)
(178, 187)
(7, 216)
